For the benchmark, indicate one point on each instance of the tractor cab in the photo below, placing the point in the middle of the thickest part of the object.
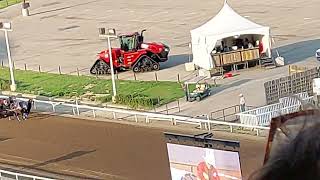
(131, 42)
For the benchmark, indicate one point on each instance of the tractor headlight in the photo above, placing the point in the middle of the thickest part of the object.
(106, 55)
(166, 49)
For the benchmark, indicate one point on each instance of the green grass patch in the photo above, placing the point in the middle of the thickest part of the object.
(6, 3)
(146, 94)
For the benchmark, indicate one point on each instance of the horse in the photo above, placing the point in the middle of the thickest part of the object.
(8, 113)
(5, 109)
(25, 108)
(17, 108)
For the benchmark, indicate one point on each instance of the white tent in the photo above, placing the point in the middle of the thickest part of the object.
(226, 23)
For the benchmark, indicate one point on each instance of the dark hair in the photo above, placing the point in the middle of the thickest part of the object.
(296, 160)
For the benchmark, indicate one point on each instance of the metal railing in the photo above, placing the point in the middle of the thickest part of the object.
(7, 175)
(262, 116)
(77, 109)
(228, 114)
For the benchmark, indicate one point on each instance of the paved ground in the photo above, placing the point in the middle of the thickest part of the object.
(250, 84)
(101, 150)
(65, 33)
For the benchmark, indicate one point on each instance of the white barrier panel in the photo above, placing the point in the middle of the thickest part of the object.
(262, 116)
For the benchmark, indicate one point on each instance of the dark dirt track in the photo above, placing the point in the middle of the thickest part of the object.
(101, 150)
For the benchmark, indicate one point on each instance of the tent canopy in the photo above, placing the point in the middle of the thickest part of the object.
(226, 23)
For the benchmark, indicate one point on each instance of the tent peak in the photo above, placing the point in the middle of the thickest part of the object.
(225, 2)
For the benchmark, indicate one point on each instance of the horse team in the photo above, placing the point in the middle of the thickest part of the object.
(12, 107)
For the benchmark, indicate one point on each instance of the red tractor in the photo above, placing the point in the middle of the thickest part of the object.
(133, 54)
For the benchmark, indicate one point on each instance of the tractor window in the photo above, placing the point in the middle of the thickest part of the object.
(128, 43)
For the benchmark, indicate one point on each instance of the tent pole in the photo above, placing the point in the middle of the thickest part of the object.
(190, 47)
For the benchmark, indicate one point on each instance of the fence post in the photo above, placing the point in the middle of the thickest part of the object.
(158, 100)
(53, 108)
(94, 113)
(231, 129)
(179, 105)
(223, 114)
(59, 70)
(156, 76)
(117, 74)
(136, 118)
(209, 125)
(77, 106)
(39, 69)
(154, 108)
(178, 78)
(289, 70)
(34, 106)
(114, 115)
(2, 63)
(135, 77)
(167, 109)
(25, 66)
(78, 72)
(174, 122)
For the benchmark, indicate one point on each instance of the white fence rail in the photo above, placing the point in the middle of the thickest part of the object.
(7, 175)
(116, 113)
(262, 116)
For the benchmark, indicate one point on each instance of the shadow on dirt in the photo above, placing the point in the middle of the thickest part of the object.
(299, 51)
(176, 60)
(69, 156)
(227, 86)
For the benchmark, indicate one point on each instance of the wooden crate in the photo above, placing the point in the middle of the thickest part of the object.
(216, 58)
(250, 54)
(231, 57)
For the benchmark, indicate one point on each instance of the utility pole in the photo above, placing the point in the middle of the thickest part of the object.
(114, 89)
(111, 33)
(6, 26)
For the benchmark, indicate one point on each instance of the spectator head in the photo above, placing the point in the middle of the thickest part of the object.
(295, 159)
